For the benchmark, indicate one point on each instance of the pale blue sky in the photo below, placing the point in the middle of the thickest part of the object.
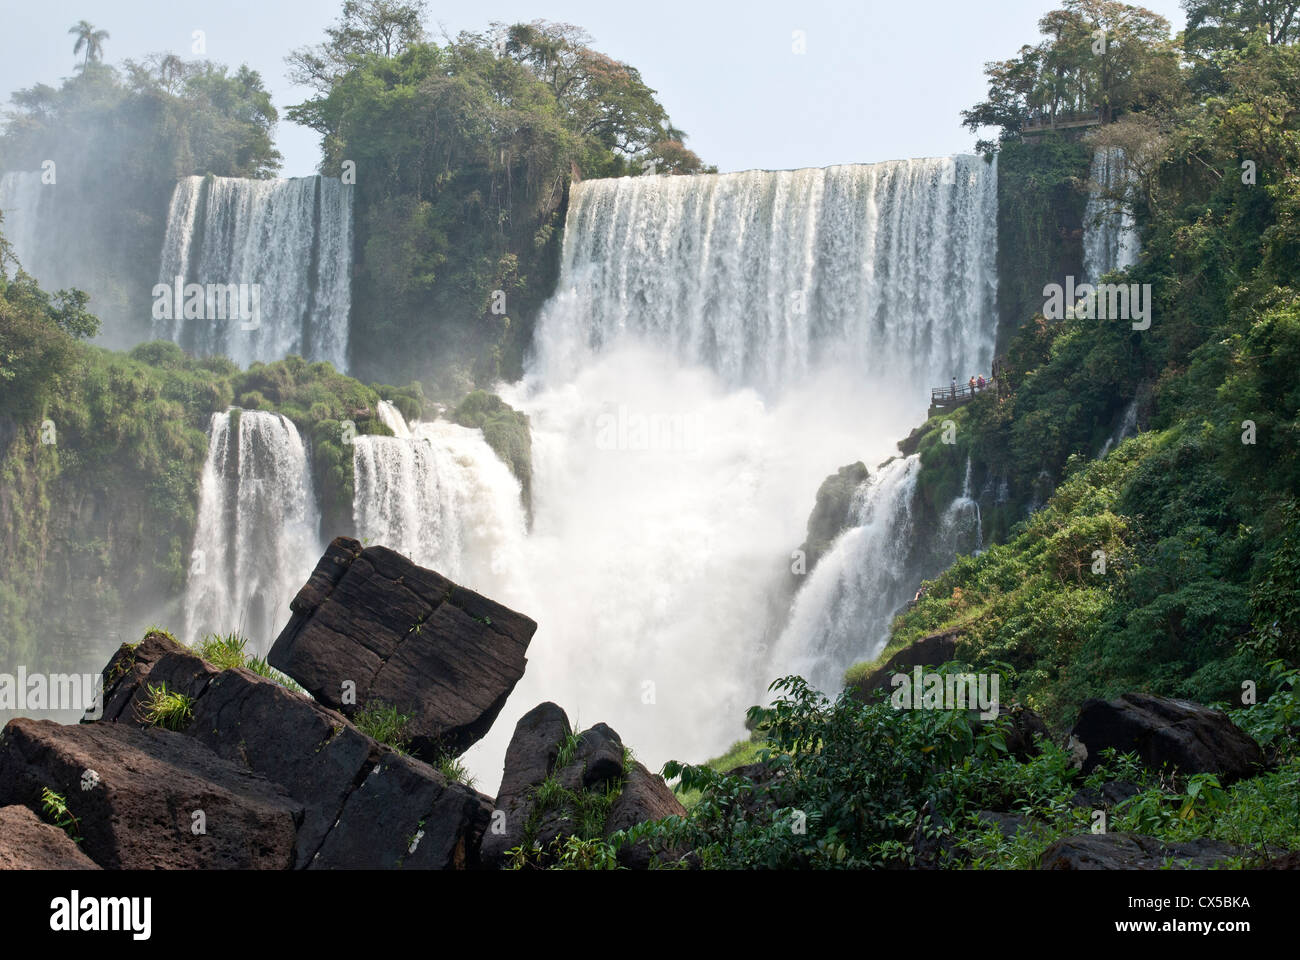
(879, 81)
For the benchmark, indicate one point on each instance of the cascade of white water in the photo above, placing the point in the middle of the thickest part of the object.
(1127, 428)
(23, 201)
(438, 494)
(257, 537)
(716, 346)
(1110, 236)
(843, 612)
(766, 276)
(290, 238)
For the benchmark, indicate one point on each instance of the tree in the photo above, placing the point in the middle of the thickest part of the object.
(382, 28)
(90, 39)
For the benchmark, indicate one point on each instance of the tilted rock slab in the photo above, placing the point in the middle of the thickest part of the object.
(1176, 733)
(356, 813)
(371, 627)
(1133, 851)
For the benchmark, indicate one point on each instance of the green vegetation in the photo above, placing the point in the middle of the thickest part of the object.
(464, 152)
(227, 652)
(169, 709)
(864, 785)
(385, 723)
(505, 430)
(55, 807)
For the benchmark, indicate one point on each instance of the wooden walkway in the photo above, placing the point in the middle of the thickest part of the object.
(949, 398)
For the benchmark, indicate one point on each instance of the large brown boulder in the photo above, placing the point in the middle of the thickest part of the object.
(644, 797)
(1165, 733)
(29, 843)
(371, 627)
(150, 799)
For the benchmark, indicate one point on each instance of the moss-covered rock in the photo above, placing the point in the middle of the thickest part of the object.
(506, 431)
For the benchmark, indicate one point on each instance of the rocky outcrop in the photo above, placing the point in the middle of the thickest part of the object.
(1165, 733)
(28, 843)
(371, 627)
(931, 651)
(1132, 851)
(551, 778)
(150, 799)
(832, 512)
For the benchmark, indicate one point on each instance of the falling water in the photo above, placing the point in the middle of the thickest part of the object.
(292, 238)
(1127, 428)
(717, 346)
(766, 276)
(1110, 236)
(24, 202)
(438, 494)
(844, 611)
(257, 537)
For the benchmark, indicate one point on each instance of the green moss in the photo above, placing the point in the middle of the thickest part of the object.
(506, 432)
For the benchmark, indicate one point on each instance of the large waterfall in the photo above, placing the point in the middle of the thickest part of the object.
(1110, 236)
(25, 202)
(257, 536)
(765, 276)
(291, 239)
(717, 346)
(438, 494)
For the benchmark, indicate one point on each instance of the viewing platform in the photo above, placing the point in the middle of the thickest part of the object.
(1041, 123)
(950, 398)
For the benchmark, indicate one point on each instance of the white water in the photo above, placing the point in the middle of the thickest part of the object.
(685, 407)
(257, 537)
(279, 234)
(1126, 428)
(1110, 236)
(438, 494)
(844, 612)
(24, 202)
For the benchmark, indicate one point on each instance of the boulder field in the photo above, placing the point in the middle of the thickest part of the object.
(250, 773)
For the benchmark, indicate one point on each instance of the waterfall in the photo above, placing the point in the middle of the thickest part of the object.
(24, 200)
(764, 276)
(1110, 236)
(716, 346)
(437, 493)
(290, 238)
(1126, 428)
(844, 611)
(257, 537)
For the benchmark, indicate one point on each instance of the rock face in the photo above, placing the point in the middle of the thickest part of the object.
(582, 771)
(373, 624)
(931, 651)
(354, 803)
(1167, 733)
(831, 513)
(156, 799)
(28, 843)
(1132, 851)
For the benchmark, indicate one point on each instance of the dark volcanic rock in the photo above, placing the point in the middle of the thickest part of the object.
(1132, 851)
(931, 651)
(29, 843)
(597, 761)
(372, 623)
(310, 750)
(1175, 733)
(128, 668)
(645, 796)
(530, 757)
(137, 809)
(405, 815)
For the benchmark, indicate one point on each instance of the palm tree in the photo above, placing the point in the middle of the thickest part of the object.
(90, 38)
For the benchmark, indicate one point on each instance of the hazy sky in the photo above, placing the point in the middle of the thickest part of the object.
(879, 80)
